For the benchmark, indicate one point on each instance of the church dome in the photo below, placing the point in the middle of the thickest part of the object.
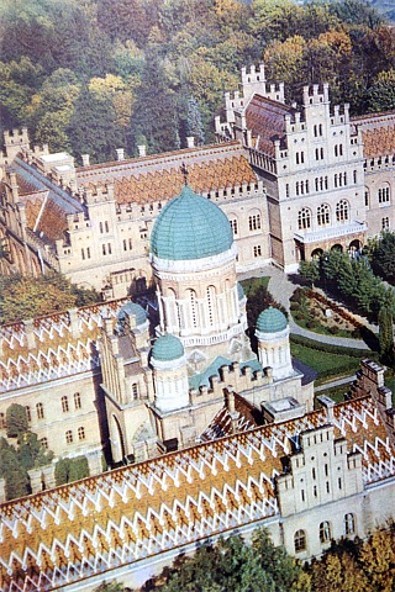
(132, 308)
(271, 320)
(190, 227)
(167, 348)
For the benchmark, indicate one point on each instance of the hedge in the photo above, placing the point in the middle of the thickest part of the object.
(332, 349)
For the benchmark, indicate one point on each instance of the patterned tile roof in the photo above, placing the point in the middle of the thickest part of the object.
(265, 118)
(159, 178)
(97, 524)
(64, 345)
(379, 142)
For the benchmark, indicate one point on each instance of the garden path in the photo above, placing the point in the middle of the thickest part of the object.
(282, 287)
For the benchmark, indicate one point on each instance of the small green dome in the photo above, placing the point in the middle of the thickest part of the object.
(166, 348)
(190, 227)
(240, 291)
(132, 308)
(271, 320)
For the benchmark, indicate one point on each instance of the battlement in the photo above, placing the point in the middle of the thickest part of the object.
(98, 194)
(16, 136)
(315, 94)
(253, 74)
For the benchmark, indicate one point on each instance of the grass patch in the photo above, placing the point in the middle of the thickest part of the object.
(251, 285)
(328, 365)
(336, 393)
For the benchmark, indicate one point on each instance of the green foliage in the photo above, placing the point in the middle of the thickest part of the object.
(26, 297)
(356, 282)
(386, 336)
(234, 565)
(16, 420)
(164, 50)
(15, 462)
(357, 565)
(381, 253)
(31, 453)
(112, 586)
(310, 271)
(68, 470)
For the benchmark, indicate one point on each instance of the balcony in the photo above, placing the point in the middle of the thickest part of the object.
(330, 233)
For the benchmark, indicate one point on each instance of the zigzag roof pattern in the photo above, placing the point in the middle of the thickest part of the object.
(62, 535)
(158, 178)
(64, 344)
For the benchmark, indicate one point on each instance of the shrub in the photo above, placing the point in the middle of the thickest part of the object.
(71, 469)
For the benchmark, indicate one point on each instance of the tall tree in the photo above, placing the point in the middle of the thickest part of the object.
(155, 114)
(386, 335)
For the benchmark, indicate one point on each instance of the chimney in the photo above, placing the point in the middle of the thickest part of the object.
(190, 141)
(142, 148)
(120, 153)
(85, 160)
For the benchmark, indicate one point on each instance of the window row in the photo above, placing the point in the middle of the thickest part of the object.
(321, 183)
(323, 215)
(325, 532)
(64, 403)
(70, 437)
(85, 253)
(106, 249)
(254, 223)
(383, 194)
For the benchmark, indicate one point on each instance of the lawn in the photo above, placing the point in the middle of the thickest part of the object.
(329, 366)
(252, 284)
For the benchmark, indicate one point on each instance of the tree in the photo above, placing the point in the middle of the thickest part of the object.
(386, 335)
(381, 253)
(27, 297)
(93, 127)
(112, 586)
(155, 114)
(194, 121)
(68, 470)
(16, 420)
(232, 564)
(381, 95)
(31, 452)
(310, 270)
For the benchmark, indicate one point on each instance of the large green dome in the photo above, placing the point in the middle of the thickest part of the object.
(190, 227)
(271, 320)
(167, 348)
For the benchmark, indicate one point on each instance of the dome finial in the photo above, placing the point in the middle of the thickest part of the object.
(185, 172)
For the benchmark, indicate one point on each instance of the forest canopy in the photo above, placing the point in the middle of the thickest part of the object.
(96, 75)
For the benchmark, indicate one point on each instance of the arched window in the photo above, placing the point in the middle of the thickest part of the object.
(77, 400)
(349, 524)
(300, 541)
(304, 219)
(81, 433)
(210, 294)
(323, 215)
(254, 222)
(69, 437)
(44, 443)
(65, 404)
(325, 532)
(40, 411)
(28, 414)
(367, 197)
(193, 308)
(342, 211)
(135, 391)
(384, 194)
(233, 225)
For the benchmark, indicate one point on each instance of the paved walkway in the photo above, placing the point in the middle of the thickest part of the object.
(334, 383)
(282, 287)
